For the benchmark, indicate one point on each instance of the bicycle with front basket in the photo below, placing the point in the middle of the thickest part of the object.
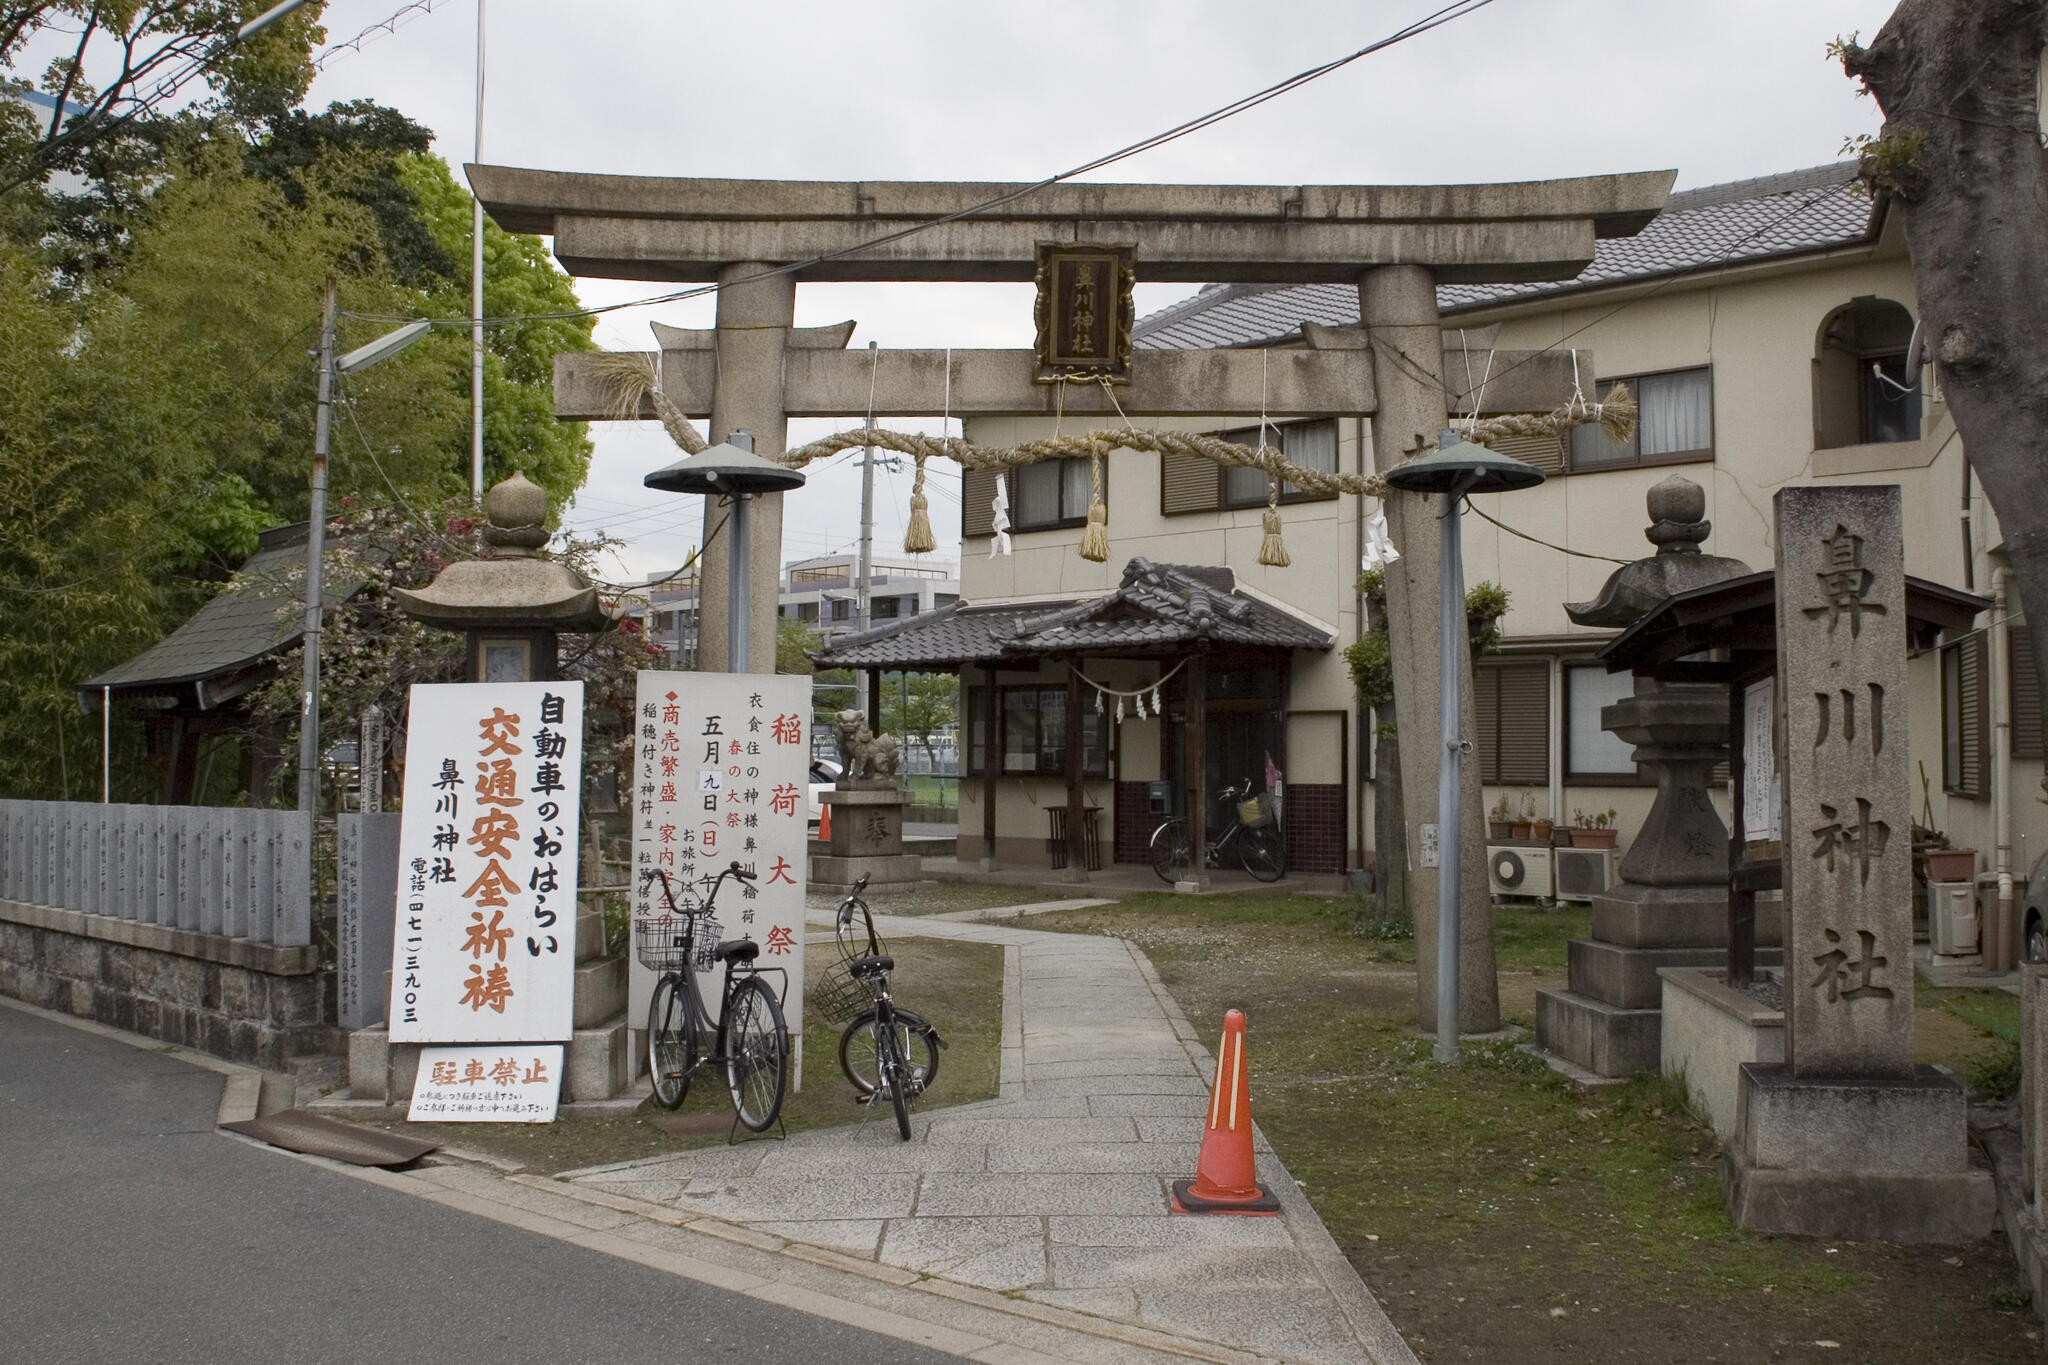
(884, 1048)
(1252, 837)
(750, 1039)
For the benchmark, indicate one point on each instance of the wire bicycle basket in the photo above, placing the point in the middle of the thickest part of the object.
(837, 996)
(1256, 812)
(665, 945)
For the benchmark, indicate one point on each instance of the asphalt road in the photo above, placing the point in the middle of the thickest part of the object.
(131, 1230)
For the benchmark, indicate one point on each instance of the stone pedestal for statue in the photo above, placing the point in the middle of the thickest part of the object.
(1670, 908)
(867, 837)
(1847, 1137)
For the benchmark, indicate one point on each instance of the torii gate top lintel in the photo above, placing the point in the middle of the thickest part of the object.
(682, 230)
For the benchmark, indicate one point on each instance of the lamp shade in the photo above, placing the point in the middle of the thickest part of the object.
(1461, 466)
(724, 469)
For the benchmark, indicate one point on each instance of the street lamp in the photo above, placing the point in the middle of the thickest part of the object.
(1454, 469)
(733, 471)
(331, 366)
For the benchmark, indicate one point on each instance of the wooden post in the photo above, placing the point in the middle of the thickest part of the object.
(1193, 736)
(991, 766)
(875, 702)
(1077, 849)
(1741, 897)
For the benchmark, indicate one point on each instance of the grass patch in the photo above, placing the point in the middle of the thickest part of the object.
(958, 986)
(1477, 1199)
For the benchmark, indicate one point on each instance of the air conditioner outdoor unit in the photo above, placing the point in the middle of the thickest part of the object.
(1583, 873)
(1514, 870)
(1952, 918)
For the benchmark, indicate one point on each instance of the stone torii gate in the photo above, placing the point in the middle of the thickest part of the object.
(754, 369)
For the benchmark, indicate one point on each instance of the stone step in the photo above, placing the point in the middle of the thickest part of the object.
(598, 1064)
(277, 1093)
(1627, 977)
(600, 990)
(1598, 1037)
(1677, 917)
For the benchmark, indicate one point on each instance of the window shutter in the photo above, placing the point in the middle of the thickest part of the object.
(1187, 483)
(1524, 723)
(977, 492)
(1545, 452)
(1486, 723)
(2023, 687)
(1974, 778)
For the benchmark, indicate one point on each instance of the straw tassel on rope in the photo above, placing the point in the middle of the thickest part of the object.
(917, 536)
(1272, 549)
(1095, 540)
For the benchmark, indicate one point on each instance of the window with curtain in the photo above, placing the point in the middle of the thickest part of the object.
(1592, 756)
(1312, 445)
(1049, 495)
(1674, 423)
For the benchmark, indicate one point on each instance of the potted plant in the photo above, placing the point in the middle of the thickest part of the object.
(1500, 821)
(1527, 818)
(1539, 829)
(1945, 864)
(1596, 830)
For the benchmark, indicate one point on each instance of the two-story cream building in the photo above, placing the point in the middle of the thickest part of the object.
(1760, 325)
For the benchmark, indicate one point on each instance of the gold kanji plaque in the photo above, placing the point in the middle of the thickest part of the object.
(1084, 312)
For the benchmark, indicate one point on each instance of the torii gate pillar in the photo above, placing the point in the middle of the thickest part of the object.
(1397, 307)
(754, 318)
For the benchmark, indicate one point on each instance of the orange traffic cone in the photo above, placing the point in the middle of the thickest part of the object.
(1226, 1179)
(824, 824)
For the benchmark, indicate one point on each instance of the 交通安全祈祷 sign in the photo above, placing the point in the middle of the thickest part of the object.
(721, 775)
(493, 1083)
(485, 948)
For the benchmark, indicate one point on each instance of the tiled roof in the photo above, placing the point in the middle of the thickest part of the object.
(1158, 607)
(238, 627)
(1745, 220)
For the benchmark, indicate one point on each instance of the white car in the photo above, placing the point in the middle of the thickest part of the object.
(824, 776)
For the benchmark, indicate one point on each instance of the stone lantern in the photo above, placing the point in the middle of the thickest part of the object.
(1670, 908)
(511, 603)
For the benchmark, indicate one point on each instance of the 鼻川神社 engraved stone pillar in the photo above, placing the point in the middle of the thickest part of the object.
(1670, 908)
(1397, 308)
(1846, 1137)
(1848, 798)
(754, 317)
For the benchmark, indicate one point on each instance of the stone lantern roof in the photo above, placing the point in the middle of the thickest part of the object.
(1677, 526)
(512, 585)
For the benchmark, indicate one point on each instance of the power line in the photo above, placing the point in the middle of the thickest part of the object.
(1445, 15)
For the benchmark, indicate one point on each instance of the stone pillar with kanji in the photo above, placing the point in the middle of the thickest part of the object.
(1847, 1137)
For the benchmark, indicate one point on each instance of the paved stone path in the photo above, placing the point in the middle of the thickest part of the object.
(1057, 1189)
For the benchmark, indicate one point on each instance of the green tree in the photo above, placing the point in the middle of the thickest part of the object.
(918, 706)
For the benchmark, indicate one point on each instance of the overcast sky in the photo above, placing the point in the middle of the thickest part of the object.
(1523, 89)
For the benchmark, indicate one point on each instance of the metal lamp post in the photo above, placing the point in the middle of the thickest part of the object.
(1454, 469)
(733, 471)
(331, 366)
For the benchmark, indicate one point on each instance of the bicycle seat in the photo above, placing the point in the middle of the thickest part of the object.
(736, 950)
(861, 968)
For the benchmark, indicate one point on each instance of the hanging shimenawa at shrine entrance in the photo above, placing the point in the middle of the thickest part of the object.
(1085, 393)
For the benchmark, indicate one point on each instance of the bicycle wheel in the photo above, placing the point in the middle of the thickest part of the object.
(756, 1053)
(671, 1043)
(891, 1064)
(916, 1042)
(1172, 858)
(1263, 852)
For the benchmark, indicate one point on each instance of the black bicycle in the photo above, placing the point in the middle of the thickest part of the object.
(1252, 836)
(884, 1049)
(750, 1039)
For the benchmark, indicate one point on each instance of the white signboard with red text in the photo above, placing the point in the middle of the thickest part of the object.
(493, 1083)
(485, 948)
(721, 775)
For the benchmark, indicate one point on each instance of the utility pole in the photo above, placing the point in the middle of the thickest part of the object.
(316, 549)
(867, 535)
(476, 290)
